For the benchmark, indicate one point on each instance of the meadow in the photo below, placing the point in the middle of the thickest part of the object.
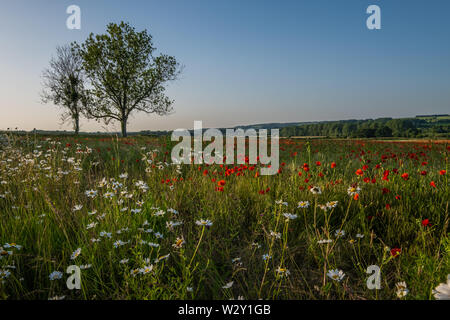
(140, 227)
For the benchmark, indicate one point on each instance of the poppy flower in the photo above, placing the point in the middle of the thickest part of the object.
(426, 223)
(433, 184)
(442, 172)
(221, 183)
(333, 165)
(395, 252)
(359, 172)
(405, 176)
(356, 197)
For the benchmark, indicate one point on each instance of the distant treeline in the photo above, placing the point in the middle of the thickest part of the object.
(437, 126)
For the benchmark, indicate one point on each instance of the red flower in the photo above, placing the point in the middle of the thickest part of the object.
(405, 176)
(388, 206)
(333, 165)
(395, 252)
(433, 184)
(442, 172)
(356, 197)
(426, 223)
(221, 183)
(398, 197)
(424, 172)
(359, 172)
(318, 163)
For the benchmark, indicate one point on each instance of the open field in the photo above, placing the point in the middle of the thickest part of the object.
(142, 228)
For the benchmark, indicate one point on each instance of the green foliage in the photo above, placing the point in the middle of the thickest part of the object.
(125, 75)
(419, 127)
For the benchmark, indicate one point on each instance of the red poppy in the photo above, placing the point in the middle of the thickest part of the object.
(426, 223)
(318, 163)
(221, 183)
(442, 172)
(359, 172)
(395, 252)
(433, 184)
(405, 176)
(333, 165)
(356, 197)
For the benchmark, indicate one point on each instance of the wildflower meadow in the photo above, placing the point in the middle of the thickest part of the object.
(137, 226)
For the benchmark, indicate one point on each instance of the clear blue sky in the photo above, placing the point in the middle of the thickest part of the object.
(247, 61)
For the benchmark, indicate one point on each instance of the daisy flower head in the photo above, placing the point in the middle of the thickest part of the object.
(55, 275)
(205, 223)
(303, 204)
(351, 191)
(402, 290)
(179, 242)
(442, 291)
(336, 274)
(75, 254)
(283, 272)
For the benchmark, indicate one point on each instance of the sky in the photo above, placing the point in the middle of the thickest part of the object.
(245, 61)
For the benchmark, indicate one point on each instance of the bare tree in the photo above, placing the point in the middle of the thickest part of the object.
(63, 83)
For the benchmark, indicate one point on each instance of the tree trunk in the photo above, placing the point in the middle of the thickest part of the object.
(76, 124)
(124, 127)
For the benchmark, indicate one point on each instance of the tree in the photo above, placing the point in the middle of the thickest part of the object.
(63, 83)
(124, 74)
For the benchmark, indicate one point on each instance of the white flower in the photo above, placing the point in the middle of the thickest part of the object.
(359, 235)
(303, 204)
(283, 271)
(266, 256)
(351, 191)
(146, 269)
(77, 207)
(401, 289)
(202, 222)
(75, 254)
(290, 216)
(159, 213)
(324, 241)
(336, 274)
(55, 275)
(316, 190)
(124, 261)
(91, 193)
(91, 225)
(123, 175)
(228, 285)
(442, 291)
(179, 242)
(339, 233)
(4, 274)
(281, 202)
(277, 235)
(332, 204)
(119, 243)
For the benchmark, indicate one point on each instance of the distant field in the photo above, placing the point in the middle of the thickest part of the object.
(142, 228)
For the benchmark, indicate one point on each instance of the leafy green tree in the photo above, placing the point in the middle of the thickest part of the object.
(125, 75)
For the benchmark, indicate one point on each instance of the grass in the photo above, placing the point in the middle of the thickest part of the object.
(43, 180)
